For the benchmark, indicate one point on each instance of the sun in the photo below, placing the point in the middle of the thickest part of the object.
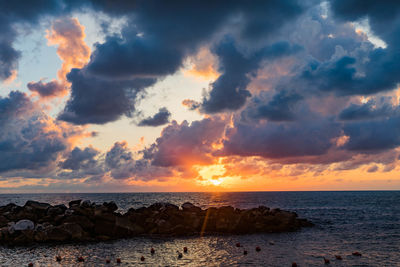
(215, 182)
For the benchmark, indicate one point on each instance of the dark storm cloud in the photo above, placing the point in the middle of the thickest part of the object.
(374, 135)
(160, 118)
(51, 88)
(25, 144)
(229, 91)
(12, 106)
(80, 158)
(98, 100)
(374, 70)
(369, 110)
(282, 140)
(31, 142)
(281, 107)
(160, 35)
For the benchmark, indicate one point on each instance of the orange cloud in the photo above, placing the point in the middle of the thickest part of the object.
(203, 65)
(69, 35)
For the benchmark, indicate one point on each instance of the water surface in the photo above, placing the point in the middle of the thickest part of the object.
(364, 221)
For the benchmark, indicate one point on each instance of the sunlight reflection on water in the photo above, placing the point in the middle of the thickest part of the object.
(368, 222)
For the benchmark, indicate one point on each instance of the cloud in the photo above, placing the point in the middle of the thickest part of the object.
(186, 144)
(229, 92)
(119, 161)
(160, 118)
(282, 107)
(69, 35)
(281, 140)
(151, 46)
(49, 89)
(20, 12)
(368, 111)
(98, 100)
(30, 139)
(80, 158)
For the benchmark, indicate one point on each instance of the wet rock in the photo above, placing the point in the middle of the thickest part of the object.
(37, 206)
(56, 210)
(74, 203)
(187, 206)
(111, 206)
(74, 230)
(84, 221)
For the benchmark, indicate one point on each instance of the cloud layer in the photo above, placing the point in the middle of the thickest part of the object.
(297, 88)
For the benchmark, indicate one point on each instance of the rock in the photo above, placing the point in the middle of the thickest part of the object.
(74, 203)
(187, 206)
(56, 210)
(37, 206)
(22, 225)
(162, 206)
(111, 206)
(3, 221)
(86, 221)
(74, 230)
(82, 221)
(56, 234)
(86, 204)
(124, 227)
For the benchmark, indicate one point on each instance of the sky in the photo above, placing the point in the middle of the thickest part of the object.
(147, 96)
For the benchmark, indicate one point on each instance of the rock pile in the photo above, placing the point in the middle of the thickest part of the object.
(86, 221)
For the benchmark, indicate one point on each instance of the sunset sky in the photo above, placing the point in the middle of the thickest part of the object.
(126, 96)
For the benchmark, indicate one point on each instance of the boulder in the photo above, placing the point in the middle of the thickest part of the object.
(56, 210)
(74, 230)
(56, 234)
(22, 225)
(37, 206)
(187, 206)
(82, 221)
(111, 206)
(74, 203)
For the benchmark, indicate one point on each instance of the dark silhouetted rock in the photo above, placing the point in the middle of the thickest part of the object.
(74, 203)
(86, 221)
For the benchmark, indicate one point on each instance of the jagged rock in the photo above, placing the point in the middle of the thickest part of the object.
(3, 221)
(111, 206)
(83, 221)
(187, 206)
(56, 234)
(56, 210)
(86, 204)
(37, 206)
(74, 203)
(74, 230)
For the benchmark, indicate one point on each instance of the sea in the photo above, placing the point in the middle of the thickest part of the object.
(345, 222)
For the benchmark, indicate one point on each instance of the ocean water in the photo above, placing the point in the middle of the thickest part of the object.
(366, 221)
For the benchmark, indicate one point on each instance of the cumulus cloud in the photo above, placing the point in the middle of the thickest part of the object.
(69, 35)
(158, 119)
(98, 100)
(186, 144)
(30, 139)
(229, 91)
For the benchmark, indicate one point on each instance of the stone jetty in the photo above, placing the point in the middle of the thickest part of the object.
(83, 221)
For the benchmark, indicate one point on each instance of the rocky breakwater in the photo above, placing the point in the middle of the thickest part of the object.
(37, 222)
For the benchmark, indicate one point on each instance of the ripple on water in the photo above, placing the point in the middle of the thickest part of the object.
(368, 222)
